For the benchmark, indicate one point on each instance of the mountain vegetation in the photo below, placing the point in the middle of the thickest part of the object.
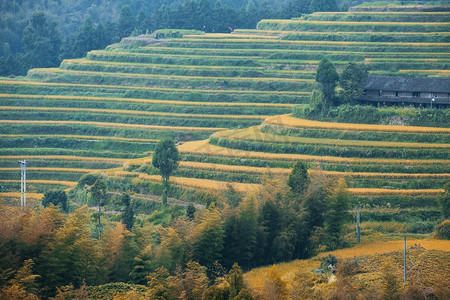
(266, 152)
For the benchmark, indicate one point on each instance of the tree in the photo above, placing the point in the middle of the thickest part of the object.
(126, 21)
(41, 41)
(166, 159)
(444, 201)
(324, 5)
(337, 213)
(351, 81)
(57, 198)
(209, 240)
(327, 77)
(128, 214)
(98, 193)
(345, 6)
(298, 179)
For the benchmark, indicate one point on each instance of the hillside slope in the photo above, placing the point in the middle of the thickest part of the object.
(114, 105)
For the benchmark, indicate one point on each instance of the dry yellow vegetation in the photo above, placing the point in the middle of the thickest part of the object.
(253, 133)
(289, 121)
(262, 170)
(75, 170)
(204, 147)
(381, 247)
(32, 196)
(371, 191)
(37, 181)
(221, 167)
(194, 182)
(63, 157)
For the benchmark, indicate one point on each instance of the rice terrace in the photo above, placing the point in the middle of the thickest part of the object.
(273, 162)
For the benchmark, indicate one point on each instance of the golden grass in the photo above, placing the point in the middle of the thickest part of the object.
(280, 32)
(32, 196)
(382, 247)
(149, 101)
(253, 133)
(195, 182)
(189, 56)
(75, 170)
(328, 43)
(231, 168)
(37, 181)
(230, 35)
(289, 121)
(291, 21)
(109, 124)
(285, 171)
(256, 278)
(370, 191)
(88, 137)
(204, 147)
(104, 86)
(132, 112)
(63, 157)
(441, 72)
(416, 13)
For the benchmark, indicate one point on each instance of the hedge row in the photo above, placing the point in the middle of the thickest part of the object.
(239, 96)
(86, 129)
(372, 115)
(379, 17)
(300, 25)
(357, 134)
(184, 82)
(76, 144)
(316, 45)
(124, 104)
(330, 150)
(58, 163)
(41, 175)
(172, 60)
(128, 119)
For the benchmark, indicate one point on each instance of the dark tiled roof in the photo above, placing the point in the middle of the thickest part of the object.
(408, 84)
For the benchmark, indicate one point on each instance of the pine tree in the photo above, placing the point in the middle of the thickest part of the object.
(337, 213)
(327, 77)
(298, 179)
(42, 42)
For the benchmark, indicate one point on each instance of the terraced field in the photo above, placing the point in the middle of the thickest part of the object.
(108, 110)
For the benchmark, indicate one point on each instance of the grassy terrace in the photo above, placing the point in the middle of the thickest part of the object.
(108, 110)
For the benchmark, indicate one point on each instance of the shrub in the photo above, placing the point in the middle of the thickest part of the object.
(443, 230)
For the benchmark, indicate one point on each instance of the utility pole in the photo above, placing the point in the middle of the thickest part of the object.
(23, 183)
(404, 258)
(358, 231)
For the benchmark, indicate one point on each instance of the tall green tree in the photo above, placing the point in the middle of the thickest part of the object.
(98, 193)
(324, 5)
(327, 77)
(209, 241)
(298, 179)
(444, 201)
(351, 81)
(166, 159)
(128, 213)
(55, 197)
(126, 21)
(337, 214)
(41, 41)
